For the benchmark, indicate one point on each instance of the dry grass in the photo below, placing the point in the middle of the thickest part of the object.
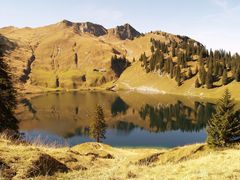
(99, 161)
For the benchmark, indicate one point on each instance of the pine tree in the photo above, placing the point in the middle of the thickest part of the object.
(197, 84)
(202, 75)
(237, 75)
(98, 128)
(178, 75)
(190, 74)
(7, 98)
(224, 126)
(224, 78)
(173, 52)
(171, 69)
(196, 70)
(209, 79)
(76, 58)
(152, 49)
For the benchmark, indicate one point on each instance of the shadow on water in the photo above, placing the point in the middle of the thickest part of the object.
(68, 116)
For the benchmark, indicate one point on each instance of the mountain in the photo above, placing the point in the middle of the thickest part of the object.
(69, 55)
(124, 32)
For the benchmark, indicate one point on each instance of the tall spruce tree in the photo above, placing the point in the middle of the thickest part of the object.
(224, 126)
(224, 78)
(237, 75)
(202, 74)
(178, 75)
(209, 79)
(98, 128)
(7, 98)
(197, 84)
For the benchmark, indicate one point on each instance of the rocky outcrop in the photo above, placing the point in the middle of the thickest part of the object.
(125, 31)
(86, 27)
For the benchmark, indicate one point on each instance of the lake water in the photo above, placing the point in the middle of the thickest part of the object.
(133, 119)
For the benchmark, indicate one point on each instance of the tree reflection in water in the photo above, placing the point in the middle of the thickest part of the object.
(177, 116)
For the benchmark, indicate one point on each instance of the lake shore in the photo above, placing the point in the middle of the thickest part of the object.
(195, 94)
(100, 161)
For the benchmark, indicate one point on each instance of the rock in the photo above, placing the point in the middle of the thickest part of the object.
(125, 31)
(85, 27)
(46, 165)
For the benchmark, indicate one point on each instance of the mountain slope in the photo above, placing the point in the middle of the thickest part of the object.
(69, 55)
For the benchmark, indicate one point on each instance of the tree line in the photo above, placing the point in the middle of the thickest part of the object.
(174, 59)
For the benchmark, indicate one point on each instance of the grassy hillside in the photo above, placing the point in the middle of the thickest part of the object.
(73, 56)
(135, 78)
(99, 161)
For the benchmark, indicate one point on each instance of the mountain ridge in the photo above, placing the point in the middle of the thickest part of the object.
(72, 56)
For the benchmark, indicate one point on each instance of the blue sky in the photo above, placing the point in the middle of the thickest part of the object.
(215, 23)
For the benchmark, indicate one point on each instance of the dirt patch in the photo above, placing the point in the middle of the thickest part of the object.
(131, 175)
(79, 167)
(6, 171)
(46, 165)
(149, 160)
(95, 155)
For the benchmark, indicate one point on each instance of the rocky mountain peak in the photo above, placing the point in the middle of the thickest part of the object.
(125, 31)
(86, 27)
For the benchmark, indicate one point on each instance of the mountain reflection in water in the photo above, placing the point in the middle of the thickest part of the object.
(133, 119)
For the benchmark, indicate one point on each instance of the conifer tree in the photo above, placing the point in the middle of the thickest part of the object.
(76, 58)
(7, 98)
(197, 84)
(98, 128)
(224, 126)
(196, 70)
(224, 78)
(237, 75)
(202, 75)
(209, 79)
(190, 74)
(178, 75)
(171, 69)
(152, 49)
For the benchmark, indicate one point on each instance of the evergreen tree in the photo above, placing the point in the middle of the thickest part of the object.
(190, 74)
(98, 128)
(237, 75)
(224, 126)
(197, 84)
(173, 52)
(209, 79)
(178, 75)
(76, 58)
(152, 49)
(202, 75)
(57, 83)
(171, 69)
(7, 98)
(224, 78)
(196, 70)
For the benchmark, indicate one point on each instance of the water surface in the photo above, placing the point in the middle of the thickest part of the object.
(133, 119)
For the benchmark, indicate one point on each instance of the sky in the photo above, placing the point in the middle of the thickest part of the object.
(214, 23)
